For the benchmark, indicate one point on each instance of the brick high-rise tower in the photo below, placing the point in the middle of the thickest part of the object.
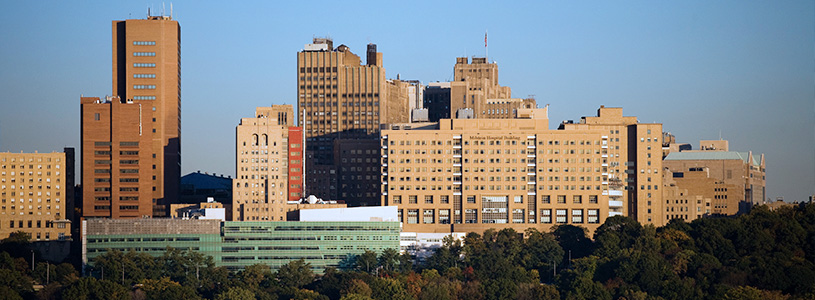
(131, 148)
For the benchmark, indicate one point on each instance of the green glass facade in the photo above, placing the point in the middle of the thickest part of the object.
(239, 244)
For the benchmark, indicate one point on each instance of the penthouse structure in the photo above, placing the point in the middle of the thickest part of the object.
(729, 182)
(36, 194)
(131, 149)
(268, 165)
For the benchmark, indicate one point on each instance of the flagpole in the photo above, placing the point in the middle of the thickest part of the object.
(487, 49)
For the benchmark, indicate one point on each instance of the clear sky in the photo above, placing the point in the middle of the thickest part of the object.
(744, 70)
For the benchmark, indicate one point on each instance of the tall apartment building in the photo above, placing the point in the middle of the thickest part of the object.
(345, 102)
(474, 174)
(131, 148)
(264, 152)
(732, 182)
(34, 194)
(633, 163)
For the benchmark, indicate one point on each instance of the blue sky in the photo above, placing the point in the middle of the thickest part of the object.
(745, 69)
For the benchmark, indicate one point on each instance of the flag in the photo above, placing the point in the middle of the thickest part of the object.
(485, 39)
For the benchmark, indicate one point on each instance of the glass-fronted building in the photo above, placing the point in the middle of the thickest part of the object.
(239, 244)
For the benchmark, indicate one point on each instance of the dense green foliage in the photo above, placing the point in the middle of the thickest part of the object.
(761, 255)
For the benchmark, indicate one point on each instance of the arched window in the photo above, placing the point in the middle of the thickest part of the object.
(254, 139)
(265, 140)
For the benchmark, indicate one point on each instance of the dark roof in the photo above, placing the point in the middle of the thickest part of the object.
(202, 181)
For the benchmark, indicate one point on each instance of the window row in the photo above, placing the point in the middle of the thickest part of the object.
(144, 54)
(144, 75)
(144, 43)
(144, 86)
(144, 65)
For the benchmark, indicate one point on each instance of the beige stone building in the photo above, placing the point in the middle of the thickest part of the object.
(473, 174)
(732, 181)
(131, 148)
(34, 195)
(345, 101)
(260, 189)
(633, 162)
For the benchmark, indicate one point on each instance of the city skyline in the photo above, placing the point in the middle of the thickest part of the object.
(742, 71)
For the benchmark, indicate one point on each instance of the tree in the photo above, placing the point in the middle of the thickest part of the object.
(540, 251)
(251, 276)
(236, 293)
(389, 259)
(296, 273)
(91, 288)
(359, 287)
(575, 239)
(366, 261)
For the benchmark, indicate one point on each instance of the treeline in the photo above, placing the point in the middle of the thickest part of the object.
(761, 255)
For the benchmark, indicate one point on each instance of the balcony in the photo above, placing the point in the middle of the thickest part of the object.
(615, 213)
(615, 204)
(457, 137)
(615, 193)
(530, 193)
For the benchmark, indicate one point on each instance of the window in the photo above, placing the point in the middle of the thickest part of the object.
(413, 199)
(429, 216)
(143, 65)
(397, 199)
(545, 199)
(144, 98)
(445, 199)
(518, 215)
(561, 199)
(444, 216)
(470, 216)
(144, 43)
(577, 199)
(577, 216)
(546, 216)
(144, 75)
(470, 199)
(129, 144)
(96, 117)
(428, 199)
(413, 216)
(560, 216)
(593, 199)
(144, 86)
(144, 54)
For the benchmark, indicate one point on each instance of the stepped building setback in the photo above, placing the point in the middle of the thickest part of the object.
(131, 147)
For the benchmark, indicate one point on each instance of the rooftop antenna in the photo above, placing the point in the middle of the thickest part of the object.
(171, 10)
(486, 49)
(162, 9)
